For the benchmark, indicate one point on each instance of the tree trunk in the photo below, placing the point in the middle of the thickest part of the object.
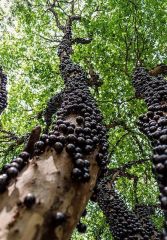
(123, 223)
(48, 196)
(154, 125)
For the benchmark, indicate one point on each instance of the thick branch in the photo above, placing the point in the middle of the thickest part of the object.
(33, 138)
(75, 18)
(81, 40)
(159, 69)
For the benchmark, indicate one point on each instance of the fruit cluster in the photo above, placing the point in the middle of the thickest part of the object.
(11, 170)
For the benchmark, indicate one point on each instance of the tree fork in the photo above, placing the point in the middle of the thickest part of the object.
(51, 191)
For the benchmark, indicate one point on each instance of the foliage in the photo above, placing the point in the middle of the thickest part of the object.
(124, 33)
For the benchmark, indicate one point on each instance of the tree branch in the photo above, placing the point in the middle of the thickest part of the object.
(159, 69)
(33, 138)
(72, 7)
(117, 143)
(81, 40)
(128, 165)
(49, 39)
(51, 9)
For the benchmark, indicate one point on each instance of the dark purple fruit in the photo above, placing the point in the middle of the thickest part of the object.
(24, 155)
(78, 150)
(61, 139)
(44, 137)
(78, 155)
(84, 213)
(87, 130)
(6, 166)
(70, 129)
(78, 130)
(164, 202)
(63, 128)
(163, 139)
(29, 200)
(52, 139)
(70, 148)
(86, 177)
(81, 141)
(76, 173)
(87, 163)
(19, 161)
(3, 182)
(58, 218)
(15, 164)
(71, 138)
(81, 227)
(39, 145)
(12, 172)
(88, 149)
(58, 146)
(80, 163)
(89, 141)
(79, 120)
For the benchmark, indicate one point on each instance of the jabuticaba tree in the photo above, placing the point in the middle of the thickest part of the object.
(154, 124)
(144, 213)
(43, 197)
(123, 223)
(3, 91)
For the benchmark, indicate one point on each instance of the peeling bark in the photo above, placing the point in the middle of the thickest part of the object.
(48, 177)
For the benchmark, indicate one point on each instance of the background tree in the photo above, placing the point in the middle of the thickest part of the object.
(122, 36)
